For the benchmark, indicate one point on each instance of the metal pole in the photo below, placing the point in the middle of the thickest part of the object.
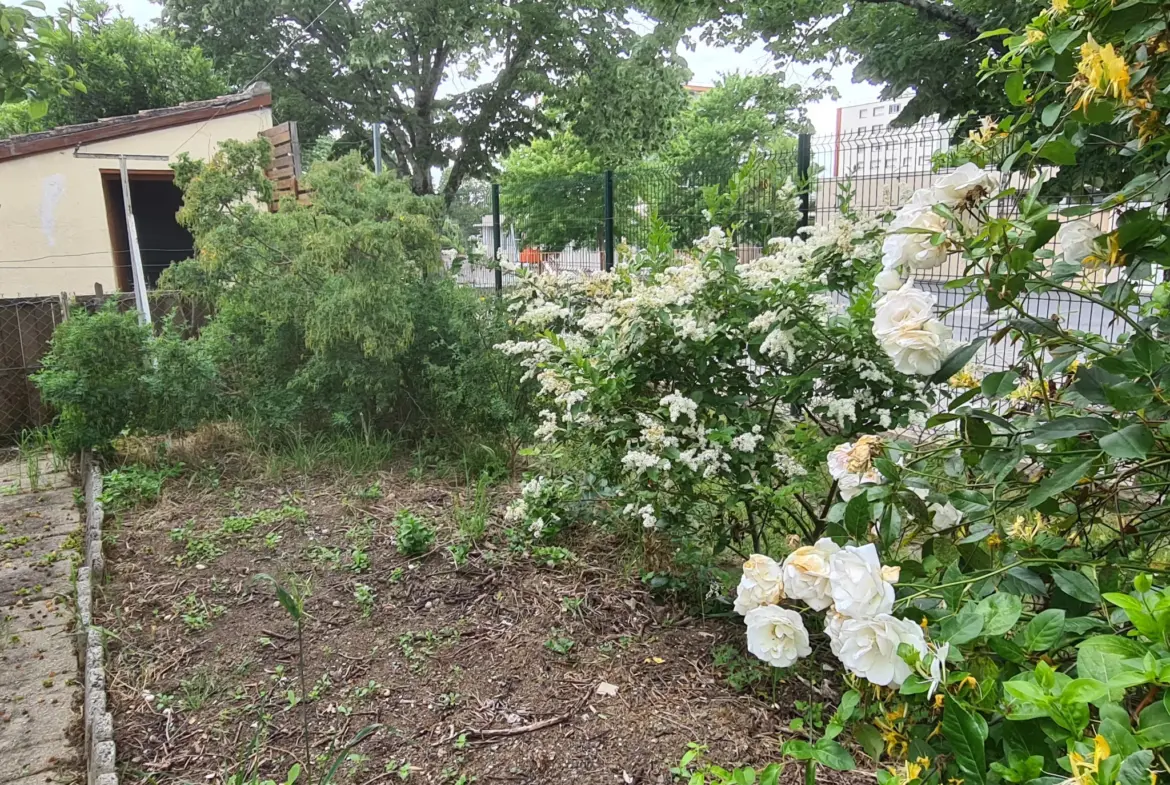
(607, 217)
(803, 165)
(496, 236)
(377, 147)
(140, 297)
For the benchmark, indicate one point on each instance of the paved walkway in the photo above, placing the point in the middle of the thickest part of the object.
(39, 690)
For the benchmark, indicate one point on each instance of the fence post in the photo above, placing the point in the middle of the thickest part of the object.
(803, 165)
(496, 236)
(607, 218)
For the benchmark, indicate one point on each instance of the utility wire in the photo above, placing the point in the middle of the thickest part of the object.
(260, 73)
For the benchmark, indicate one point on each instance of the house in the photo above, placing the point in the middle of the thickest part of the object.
(63, 223)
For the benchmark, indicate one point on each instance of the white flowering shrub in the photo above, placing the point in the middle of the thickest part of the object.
(699, 394)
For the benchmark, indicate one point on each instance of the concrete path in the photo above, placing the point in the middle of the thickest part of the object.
(39, 690)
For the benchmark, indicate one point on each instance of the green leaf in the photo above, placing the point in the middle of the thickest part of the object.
(956, 360)
(797, 748)
(999, 384)
(1058, 481)
(1060, 39)
(967, 742)
(829, 753)
(1051, 114)
(1154, 726)
(1014, 89)
(857, 517)
(1044, 630)
(994, 33)
(37, 109)
(963, 627)
(1121, 741)
(1135, 769)
(1083, 691)
(870, 739)
(1000, 613)
(1060, 151)
(1100, 658)
(1132, 441)
(1076, 585)
(1064, 427)
(1128, 396)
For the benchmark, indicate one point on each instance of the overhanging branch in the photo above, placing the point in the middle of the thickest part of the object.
(948, 14)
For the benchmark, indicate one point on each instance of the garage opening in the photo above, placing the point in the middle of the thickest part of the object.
(155, 199)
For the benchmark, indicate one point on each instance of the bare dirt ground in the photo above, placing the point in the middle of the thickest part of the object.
(503, 669)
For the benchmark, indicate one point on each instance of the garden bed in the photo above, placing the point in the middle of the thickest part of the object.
(506, 668)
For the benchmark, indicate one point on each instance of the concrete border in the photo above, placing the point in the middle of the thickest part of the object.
(98, 744)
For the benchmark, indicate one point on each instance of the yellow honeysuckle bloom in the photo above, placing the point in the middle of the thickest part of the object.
(1103, 72)
(1060, 6)
(1084, 772)
(964, 379)
(1035, 36)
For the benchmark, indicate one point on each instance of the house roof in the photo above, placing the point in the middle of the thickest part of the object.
(257, 96)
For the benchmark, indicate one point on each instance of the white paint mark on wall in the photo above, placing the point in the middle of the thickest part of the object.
(52, 189)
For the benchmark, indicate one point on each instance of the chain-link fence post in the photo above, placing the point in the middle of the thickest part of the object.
(803, 165)
(607, 217)
(497, 237)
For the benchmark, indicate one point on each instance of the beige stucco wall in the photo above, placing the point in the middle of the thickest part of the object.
(53, 232)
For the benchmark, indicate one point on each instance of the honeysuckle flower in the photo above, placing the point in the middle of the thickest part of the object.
(964, 182)
(1078, 241)
(762, 583)
(868, 647)
(776, 635)
(806, 574)
(859, 586)
(938, 669)
(944, 516)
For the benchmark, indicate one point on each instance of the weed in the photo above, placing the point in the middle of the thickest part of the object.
(472, 520)
(413, 534)
(365, 597)
(372, 492)
(395, 575)
(401, 769)
(559, 644)
(572, 606)
(196, 614)
(272, 539)
(448, 701)
(742, 674)
(197, 689)
(359, 560)
(324, 555)
(197, 548)
(367, 690)
(361, 534)
(459, 553)
(552, 555)
(131, 486)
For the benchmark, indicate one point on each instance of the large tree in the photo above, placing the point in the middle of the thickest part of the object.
(458, 82)
(929, 46)
(124, 69)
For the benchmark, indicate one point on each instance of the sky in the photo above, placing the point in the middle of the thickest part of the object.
(707, 62)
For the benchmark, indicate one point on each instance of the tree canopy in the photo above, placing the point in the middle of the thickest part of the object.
(925, 45)
(457, 82)
(124, 69)
(552, 188)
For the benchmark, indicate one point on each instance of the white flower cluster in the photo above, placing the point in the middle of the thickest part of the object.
(857, 594)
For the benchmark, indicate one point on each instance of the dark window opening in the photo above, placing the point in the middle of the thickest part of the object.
(155, 200)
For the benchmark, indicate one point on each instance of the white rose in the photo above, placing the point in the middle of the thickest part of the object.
(777, 635)
(1078, 241)
(919, 350)
(858, 586)
(851, 484)
(958, 185)
(838, 460)
(888, 280)
(945, 516)
(833, 623)
(806, 574)
(761, 584)
(914, 248)
(869, 648)
(902, 308)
